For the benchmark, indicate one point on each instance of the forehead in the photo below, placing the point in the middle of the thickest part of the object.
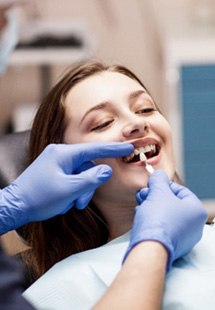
(104, 86)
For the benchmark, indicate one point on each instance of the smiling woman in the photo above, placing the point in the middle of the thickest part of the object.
(94, 102)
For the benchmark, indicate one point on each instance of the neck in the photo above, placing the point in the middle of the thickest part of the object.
(119, 217)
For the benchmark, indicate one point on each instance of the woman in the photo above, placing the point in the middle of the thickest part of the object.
(96, 103)
(54, 123)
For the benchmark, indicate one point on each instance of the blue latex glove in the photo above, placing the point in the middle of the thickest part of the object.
(61, 177)
(170, 214)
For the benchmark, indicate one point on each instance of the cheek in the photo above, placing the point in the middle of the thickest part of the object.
(163, 129)
(167, 136)
(170, 157)
(110, 134)
(118, 172)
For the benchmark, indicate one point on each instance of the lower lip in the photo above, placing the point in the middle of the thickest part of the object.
(154, 160)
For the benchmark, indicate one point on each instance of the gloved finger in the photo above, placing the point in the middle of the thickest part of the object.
(181, 191)
(90, 151)
(99, 175)
(89, 179)
(158, 180)
(84, 200)
(142, 194)
(187, 195)
(86, 165)
(68, 208)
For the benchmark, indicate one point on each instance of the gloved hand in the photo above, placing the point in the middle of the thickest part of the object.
(170, 214)
(61, 177)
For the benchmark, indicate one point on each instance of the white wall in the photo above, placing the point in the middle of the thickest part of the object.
(129, 32)
(125, 33)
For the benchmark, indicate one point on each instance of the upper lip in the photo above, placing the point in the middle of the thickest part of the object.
(143, 142)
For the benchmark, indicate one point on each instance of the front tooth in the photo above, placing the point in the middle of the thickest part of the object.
(147, 148)
(142, 150)
(153, 147)
(129, 157)
(136, 152)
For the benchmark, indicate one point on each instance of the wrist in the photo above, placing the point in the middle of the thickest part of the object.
(155, 252)
(11, 211)
(156, 235)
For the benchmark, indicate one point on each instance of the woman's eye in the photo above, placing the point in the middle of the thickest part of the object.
(145, 111)
(101, 126)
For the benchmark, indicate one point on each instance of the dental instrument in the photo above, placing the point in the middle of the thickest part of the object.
(143, 158)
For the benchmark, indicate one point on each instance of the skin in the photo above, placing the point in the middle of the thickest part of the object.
(140, 283)
(113, 107)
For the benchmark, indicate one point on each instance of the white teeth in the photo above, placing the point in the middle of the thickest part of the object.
(141, 150)
(145, 149)
(129, 157)
(137, 151)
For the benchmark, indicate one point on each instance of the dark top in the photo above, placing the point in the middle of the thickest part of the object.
(11, 284)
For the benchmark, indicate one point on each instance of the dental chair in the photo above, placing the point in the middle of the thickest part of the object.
(13, 156)
(13, 160)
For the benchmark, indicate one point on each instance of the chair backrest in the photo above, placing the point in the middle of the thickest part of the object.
(13, 156)
(13, 161)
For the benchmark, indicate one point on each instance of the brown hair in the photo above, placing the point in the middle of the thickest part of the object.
(76, 231)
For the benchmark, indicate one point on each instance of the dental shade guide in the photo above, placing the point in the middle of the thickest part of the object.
(143, 158)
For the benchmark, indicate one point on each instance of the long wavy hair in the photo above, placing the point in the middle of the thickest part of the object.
(54, 239)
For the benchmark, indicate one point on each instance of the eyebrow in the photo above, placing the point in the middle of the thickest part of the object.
(105, 104)
(100, 106)
(136, 94)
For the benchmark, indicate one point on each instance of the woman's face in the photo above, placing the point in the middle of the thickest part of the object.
(111, 106)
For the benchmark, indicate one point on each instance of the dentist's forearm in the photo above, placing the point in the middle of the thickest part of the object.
(139, 284)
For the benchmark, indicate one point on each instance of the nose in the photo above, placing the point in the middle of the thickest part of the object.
(135, 127)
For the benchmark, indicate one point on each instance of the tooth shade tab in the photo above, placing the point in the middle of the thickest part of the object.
(149, 168)
(142, 156)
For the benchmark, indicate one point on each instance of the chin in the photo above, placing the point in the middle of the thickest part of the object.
(135, 187)
(170, 172)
